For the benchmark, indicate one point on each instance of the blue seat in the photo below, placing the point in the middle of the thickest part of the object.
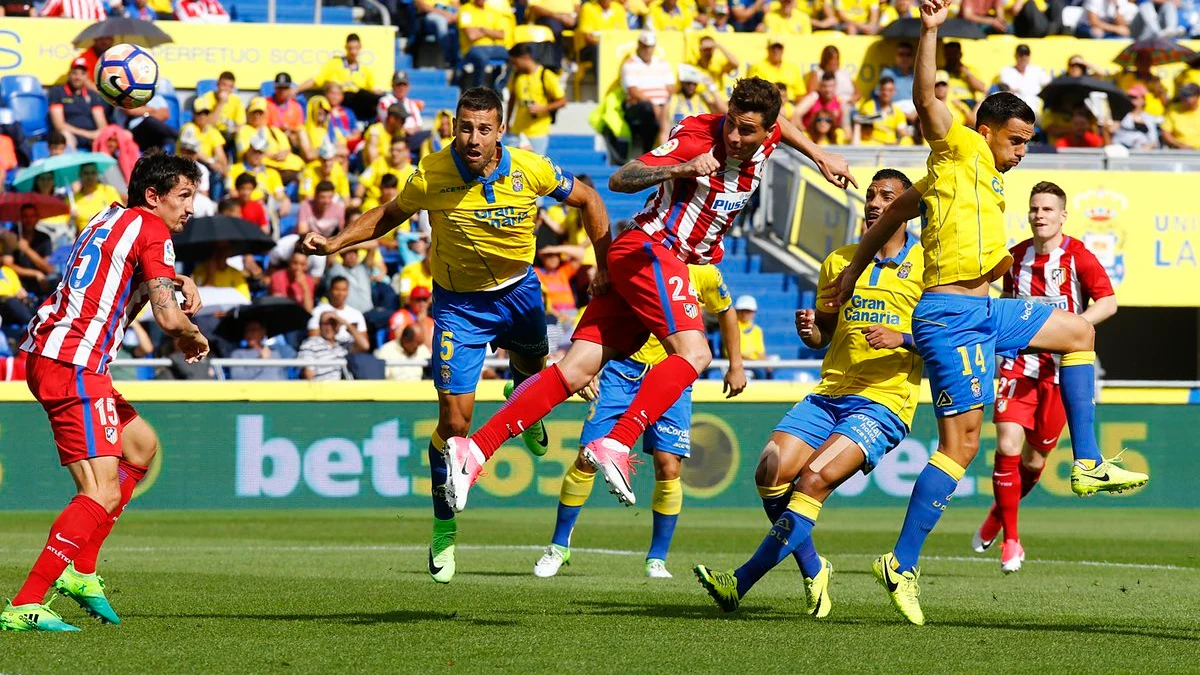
(13, 84)
(175, 120)
(205, 86)
(31, 110)
(40, 150)
(337, 15)
(267, 89)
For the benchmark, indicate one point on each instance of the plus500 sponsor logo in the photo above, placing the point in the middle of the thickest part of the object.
(731, 203)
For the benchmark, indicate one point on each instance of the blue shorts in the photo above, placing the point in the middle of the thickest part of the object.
(959, 338)
(619, 383)
(872, 426)
(464, 324)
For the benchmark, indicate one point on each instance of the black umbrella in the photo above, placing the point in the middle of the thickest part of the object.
(1065, 93)
(202, 235)
(910, 29)
(277, 315)
(123, 29)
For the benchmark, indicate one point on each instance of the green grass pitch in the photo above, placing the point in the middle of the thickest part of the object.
(1103, 590)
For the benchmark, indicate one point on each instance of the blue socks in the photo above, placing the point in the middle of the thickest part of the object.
(565, 524)
(806, 553)
(664, 530)
(789, 530)
(1077, 382)
(930, 496)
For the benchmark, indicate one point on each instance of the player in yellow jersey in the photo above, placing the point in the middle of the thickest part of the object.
(668, 440)
(862, 408)
(957, 328)
(482, 202)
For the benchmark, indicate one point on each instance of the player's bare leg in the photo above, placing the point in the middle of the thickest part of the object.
(665, 506)
(688, 355)
(532, 401)
(454, 419)
(1074, 337)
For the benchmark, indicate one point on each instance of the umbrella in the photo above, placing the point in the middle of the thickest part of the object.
(277, 315)
(217, 300)
(1161, 50)
(201, 235)
(1064, 93)
(123, 29)
(47, 206)
(910, 29)
(64, 167)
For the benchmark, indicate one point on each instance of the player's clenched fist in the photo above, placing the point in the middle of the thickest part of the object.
(882, 338)
(313, 244)
(193, 345)
(805, 320)
(701, 165)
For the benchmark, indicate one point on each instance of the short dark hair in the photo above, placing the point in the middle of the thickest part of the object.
(521, 49)
(228, 204)
(754, 94)
(162, 172)
(997, 109)
(886, 79)
(480, 99)
(245, 179)
(227, 75)
(389, 180)
(906, 45)
(339, 278)
(324, 186)
(56, 138)
(28, 205)
(1047, 188)
(892, 174)
(828, 75)
(353, 37)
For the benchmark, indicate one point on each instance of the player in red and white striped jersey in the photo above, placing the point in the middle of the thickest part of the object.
(121, 260)
(1057, 270)
(90, 10)
(706, 173)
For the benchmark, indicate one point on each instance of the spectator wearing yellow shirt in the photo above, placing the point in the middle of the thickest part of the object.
(889, 125)
(481, 37)
(443, 134)
(1156, 102)
(857, 17)
(92, 197)
(326, 167)
(964, 85)
(216, 271)
(276, 146)
(891, 12)
(960, 112)
(413, 275)
(377, 141)
(1181, 129)
(210, 142)
(716, 62)
(13, 310)
(785, 19)
(318, 131)
(230, 111)
(753, 346)
(358, 82)
(668, 15)
(1190, 74)
(270, 185)
(775, 69)
(558, 16)
(397, 163)
(690, 99)
(595, 17)
(534, 94)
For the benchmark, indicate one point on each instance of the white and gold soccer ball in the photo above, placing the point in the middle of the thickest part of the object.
(126, 76)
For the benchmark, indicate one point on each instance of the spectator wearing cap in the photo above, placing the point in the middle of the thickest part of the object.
(889, 123)
(436, 19)
(283, 110)
(294, 282)
(210, 143)
(775, 69)
(669, 15)
(413, 123)
(326, 167)
(1181, 128)
(75, 111)
(987, 14)
(720, 22)
(753, 346)
(714, 60)
(1025, 79)
(377, 141)
(318, 131)
(960, 113)
(322, 214)
(1137, 130)
(201, 11)
(410, 349)
(1104, 19)
(535, 94)
(398, 163)
(249, 200)
(414, 313)
(342, 118)
(690, 99)
(1142, 73)
(277, 148)
(823, 100)
(85, 10)
(648, 81)
(441, 135)
(558, 16)
(1082, 133)
(229, 109)
(481, 38)
(786, 19)
(596, 17)
(556, 267)
(357, 81)
(269, 186)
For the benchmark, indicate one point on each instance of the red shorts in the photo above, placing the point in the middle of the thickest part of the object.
(1034, 404)
(651, 293)
(86, 413)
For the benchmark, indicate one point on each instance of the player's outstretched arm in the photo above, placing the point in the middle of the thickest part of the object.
(903, 209)
(367, 227)
(934, 115)
(637, 176)
(834, 167)
(731, 338)
(172, 320)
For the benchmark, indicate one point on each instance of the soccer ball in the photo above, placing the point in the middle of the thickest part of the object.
(126, 76)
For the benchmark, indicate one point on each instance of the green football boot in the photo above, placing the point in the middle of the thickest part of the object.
(88, 591)
(441, 550)
(535, 436)
(902, 587)
(33, 617)
(721, 586)
(1106, 476)
(817, 588)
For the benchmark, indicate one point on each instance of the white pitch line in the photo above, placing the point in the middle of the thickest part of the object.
(408, 548)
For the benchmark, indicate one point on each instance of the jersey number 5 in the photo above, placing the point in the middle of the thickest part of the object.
(89, 261)
(980, 361)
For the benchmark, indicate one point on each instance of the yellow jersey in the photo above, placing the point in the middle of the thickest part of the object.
(310, 177)
(858, 11)
(886, 295)
(537, 88)
(798, 23)
(483, 227)
(887, 129)
(231, 114)
(681, 106)
(277, 141)
(1188, 76)
(593, 20)
(713, 294)
(754, 346)
(226, 278)
(10, 283)
(352, 78)
(411, 276)
(661, 19)
(1183, 124)
(211, 140)
(787, 73)
(470, 16)
(962, 211)
(889, 14)
(87, 206)
(373, 175)
(377, 136)
(1154, 104)
(269, 182)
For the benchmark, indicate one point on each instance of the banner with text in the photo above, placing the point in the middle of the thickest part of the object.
(374, 454)
(254, 52)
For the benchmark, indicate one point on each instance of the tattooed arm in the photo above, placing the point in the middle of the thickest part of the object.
(172, 319)
(637, 176)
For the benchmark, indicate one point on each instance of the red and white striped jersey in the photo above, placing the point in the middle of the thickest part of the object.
(90, 10)
(1068, 278)
(84, 320)
(201, 11)
(690, 215)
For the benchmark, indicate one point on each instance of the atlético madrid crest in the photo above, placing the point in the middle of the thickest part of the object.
(690, 310)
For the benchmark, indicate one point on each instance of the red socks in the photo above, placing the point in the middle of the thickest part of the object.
(530, 402)
(661, 387)
(1029, 478)
(69, 533)
(1006, 485)
(129, 475)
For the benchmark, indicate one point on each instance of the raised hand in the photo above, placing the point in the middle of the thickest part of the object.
(701, 165)
(313, 244)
